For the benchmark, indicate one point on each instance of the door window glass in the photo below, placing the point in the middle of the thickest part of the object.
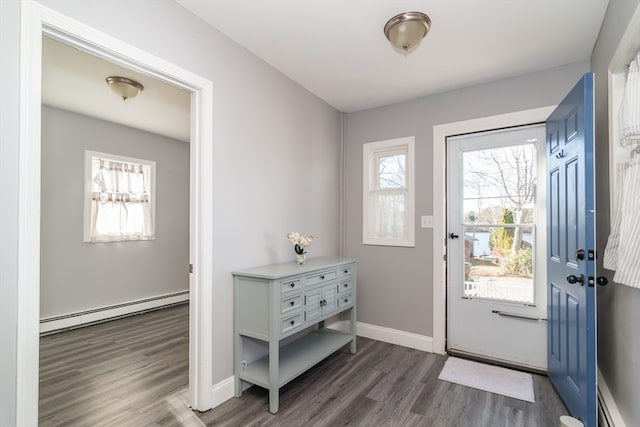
(499, 186)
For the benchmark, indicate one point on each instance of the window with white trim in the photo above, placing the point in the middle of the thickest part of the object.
(119, 198)
(388, 192)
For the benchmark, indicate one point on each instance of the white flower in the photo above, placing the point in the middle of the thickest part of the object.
(299, 241)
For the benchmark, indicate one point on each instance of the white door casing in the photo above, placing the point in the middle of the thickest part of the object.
(36, 21)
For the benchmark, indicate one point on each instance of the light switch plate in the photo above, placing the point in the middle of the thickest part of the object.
(426, 221)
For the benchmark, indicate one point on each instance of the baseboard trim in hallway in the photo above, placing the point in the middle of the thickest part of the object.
(222, 391)
(101, 314)
(388, 335)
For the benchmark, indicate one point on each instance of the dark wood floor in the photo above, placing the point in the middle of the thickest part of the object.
(133, 372)
(127, 372)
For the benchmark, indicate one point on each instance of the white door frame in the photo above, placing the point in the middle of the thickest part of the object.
(36, 21)
(440, 133)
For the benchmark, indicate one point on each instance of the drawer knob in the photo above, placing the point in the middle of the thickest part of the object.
(292, 303)
(292, 285)
(346, 300)
(293, 322)
(346, 285)
(322, 277)
(346, 271)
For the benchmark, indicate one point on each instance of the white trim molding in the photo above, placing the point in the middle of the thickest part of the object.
(388, 335)
(28, 340)
(36, 21)
(395, 336)
(440, 133)
(607, 405)
(222, 391)
(101, 314)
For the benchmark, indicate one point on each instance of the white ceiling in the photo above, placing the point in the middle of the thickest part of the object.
(74, 80)
(337, 49)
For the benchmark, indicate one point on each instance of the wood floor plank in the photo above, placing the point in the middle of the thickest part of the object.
(134, 372)
(112, 373)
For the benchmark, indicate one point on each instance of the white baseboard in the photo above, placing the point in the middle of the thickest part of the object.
(222, 391)
(388, 335)
(607, 405)
(101, 314)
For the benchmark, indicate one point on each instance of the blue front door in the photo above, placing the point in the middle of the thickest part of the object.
(571, 252)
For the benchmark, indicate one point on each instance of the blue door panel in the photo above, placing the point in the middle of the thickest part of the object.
(573, 341)
(571, 227)
(571, 125)
(554, 210)
(553, 137)
(572, 218)
(554, 331)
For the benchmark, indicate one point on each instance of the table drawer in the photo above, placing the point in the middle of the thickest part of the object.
(345, 300)
(291, 285)
(321, 277)
(345, 271)
(345, 286)
(290, 304)
(290, 323)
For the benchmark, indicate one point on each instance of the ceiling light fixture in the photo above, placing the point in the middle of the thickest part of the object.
(124, 87)
(406, 30)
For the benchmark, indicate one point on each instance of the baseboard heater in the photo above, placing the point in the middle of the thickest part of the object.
(604, 418)
(608, 413)
(97, 315)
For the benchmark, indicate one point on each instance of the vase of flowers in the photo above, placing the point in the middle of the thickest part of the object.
(299, 244)
(301, 259)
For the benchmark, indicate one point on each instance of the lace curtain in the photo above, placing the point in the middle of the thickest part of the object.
(120, 202)
(388, 214)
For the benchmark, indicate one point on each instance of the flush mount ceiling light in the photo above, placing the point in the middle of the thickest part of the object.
(406, 30)
(124, 87)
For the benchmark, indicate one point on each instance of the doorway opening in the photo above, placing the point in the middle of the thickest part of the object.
(37, 21)
(495, 256)
(440, 134)
(130, 252)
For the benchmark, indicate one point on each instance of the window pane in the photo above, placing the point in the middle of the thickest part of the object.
(391, 171)
(499, 185)
(494, 273)
(498, 196)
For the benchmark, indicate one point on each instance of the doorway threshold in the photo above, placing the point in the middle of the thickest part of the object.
(497, 362)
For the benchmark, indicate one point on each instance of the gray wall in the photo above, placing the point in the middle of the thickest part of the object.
(618, 306)
(395, 287)
(276, 157)
(9, 77)
(77, 276)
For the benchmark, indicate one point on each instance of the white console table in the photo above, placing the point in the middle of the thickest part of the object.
(275, 301)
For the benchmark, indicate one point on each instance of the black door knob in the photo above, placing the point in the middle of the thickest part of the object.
(453, 235)
(580, 254)
(575, 279)
(601, 280)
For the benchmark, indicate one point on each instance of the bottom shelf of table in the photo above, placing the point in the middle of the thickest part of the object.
(297, 357)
